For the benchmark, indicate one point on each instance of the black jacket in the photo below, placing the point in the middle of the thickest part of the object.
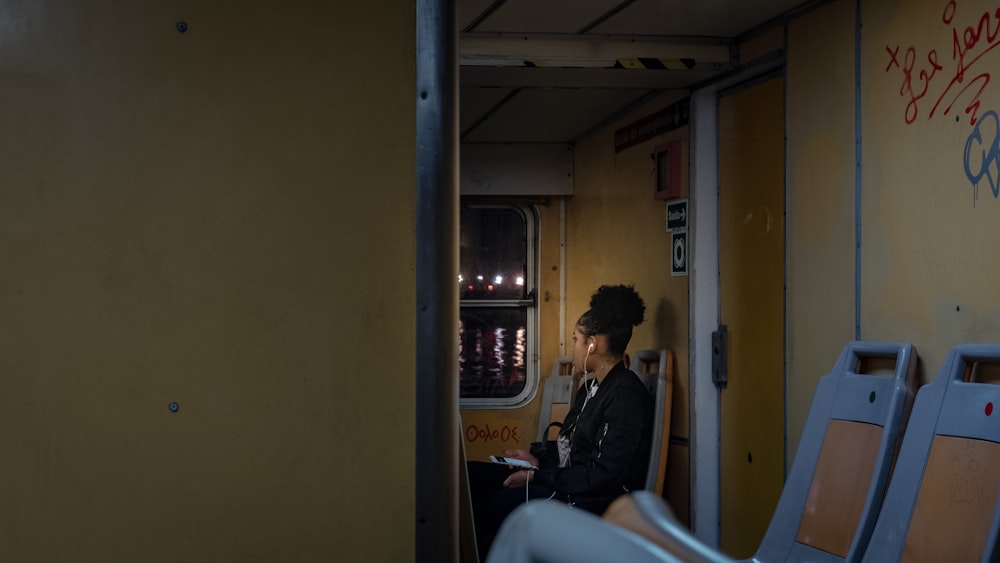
(610, 438)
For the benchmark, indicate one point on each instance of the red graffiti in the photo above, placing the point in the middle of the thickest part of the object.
(968, 47)
(924, 78)
(505, 434)
(893, 60)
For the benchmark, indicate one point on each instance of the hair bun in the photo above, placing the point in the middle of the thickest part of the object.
(617, 307)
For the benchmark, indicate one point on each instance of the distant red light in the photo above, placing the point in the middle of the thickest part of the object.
(489, 287)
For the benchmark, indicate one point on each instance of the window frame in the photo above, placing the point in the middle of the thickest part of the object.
(529, 302)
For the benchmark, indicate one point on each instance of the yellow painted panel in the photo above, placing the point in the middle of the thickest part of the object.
(930, 192)
(820, 202)
(490, 432)
(548, 286)
(188, 218)
(751, 265)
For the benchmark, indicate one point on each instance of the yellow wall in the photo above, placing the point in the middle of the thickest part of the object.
(820, 183)
(220, 219)
(617, 233)
(928, 179)
(929, 268)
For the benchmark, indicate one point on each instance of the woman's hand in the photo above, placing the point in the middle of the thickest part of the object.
(518, 478)
(522, 455)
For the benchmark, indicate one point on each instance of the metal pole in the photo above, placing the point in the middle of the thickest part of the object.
(436, 427)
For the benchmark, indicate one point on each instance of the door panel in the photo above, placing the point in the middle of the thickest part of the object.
(751, 277)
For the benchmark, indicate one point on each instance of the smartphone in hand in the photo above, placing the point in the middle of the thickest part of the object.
(519, 463)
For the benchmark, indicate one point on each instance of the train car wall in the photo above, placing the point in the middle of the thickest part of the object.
(208, 308)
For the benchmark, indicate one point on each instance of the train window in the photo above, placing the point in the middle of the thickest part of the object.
(497, 326)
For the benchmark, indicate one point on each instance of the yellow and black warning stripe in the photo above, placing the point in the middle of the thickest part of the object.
(656, 64)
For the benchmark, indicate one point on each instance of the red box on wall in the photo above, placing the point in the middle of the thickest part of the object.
(668, 170)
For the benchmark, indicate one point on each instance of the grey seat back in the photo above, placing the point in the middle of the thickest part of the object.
(557, 395)
(942, 501)
(836, 483)
(655, 370)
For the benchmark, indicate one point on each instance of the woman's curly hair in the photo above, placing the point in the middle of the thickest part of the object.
(614, 310)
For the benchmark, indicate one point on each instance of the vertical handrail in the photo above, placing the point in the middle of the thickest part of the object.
(436, 265)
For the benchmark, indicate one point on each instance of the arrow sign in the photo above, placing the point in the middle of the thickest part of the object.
(677, 214)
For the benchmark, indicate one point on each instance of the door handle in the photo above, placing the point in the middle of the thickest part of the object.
(720, 357)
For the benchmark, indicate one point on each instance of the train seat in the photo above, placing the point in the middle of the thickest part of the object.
(942, 502)
(656, 370)
(557, 396)
(825, 512)
(853, 428)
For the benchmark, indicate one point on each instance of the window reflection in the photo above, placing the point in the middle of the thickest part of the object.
(495, 311)
(492, 357)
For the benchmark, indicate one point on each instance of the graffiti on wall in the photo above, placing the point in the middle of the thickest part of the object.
(931, 84)
(982, 155)
(486, 434)
(934, 84)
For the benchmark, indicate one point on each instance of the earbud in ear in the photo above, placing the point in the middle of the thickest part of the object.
(591, 347)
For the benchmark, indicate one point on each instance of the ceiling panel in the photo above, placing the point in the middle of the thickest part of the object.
(477, 102)
(469, 10)
(551, 115)
(565, 83)
(548, 16)
(713, 18)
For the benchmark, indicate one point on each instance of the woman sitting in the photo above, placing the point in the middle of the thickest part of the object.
(604, 442)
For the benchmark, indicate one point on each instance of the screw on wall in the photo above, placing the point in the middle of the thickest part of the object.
(182, 26)
(174, 407)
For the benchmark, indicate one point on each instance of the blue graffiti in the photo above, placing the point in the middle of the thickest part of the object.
(982, 154)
